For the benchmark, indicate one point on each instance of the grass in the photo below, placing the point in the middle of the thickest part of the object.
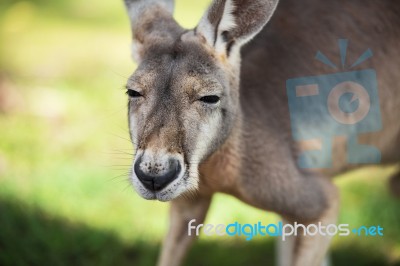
(64, 153)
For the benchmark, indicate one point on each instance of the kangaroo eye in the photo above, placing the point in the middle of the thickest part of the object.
(210, 99)
(133, 93)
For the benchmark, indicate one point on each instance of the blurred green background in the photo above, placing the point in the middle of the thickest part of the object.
(64, 153)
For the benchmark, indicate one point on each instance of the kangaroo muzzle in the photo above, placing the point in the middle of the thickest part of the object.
(156, 173)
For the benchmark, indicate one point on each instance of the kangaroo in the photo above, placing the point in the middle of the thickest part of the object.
(209, 114)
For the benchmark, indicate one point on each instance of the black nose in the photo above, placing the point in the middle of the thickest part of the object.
(156, 176)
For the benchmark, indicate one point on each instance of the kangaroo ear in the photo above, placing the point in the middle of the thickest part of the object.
(229, 24)
(152, 25)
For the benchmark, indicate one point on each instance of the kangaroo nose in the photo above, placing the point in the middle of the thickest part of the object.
(155, 176)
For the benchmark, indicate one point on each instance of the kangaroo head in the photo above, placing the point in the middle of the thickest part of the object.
(184, 94)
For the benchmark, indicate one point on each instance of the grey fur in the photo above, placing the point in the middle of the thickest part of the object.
(253, 156)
